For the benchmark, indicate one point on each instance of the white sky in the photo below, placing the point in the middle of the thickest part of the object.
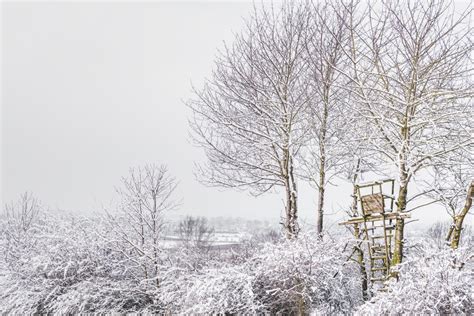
(91, 89)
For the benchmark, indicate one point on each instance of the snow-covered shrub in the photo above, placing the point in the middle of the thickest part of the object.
(20, 223)
(24, 296)
(59, 252)
(225, 290)
(95, 295)
(432, 281)
(303, 275)
(103, 295)
(70, 265)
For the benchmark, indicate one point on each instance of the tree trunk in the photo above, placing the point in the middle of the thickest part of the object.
(322, 164)
(361, 261)
(300, 303)
(402, 191)
(320, 212)
(400, 223)
(357, 249)
(155, 237)
(458, 219)
(291, 224)
(291, 213)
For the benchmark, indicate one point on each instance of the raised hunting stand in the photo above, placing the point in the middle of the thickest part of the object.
(373, 223)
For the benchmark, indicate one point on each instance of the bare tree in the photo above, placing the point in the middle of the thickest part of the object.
(195, 232)
(411, 77)
(20, 217)
(329, 113)
(24, 212)
(146, 194)
(250, 116)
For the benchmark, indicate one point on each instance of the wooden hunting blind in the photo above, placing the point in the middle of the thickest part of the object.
(373, 203)
(373, 224)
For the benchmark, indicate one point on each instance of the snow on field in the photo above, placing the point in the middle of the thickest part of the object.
(219, 239)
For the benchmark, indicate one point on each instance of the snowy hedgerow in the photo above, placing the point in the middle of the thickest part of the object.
(225, 290)
(46, 259)
(24, 296)
(104, 295)
(431, 282)
(303, 275)
(291, 276)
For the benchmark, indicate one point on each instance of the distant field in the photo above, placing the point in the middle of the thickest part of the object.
(218, 240)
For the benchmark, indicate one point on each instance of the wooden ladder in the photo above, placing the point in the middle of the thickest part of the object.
(373, 224)
(378, 230)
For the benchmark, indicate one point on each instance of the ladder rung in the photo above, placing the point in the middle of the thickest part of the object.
(382, 226)
(379, 257)
(374, 228)
(377, 237)
(381, 247)
(380, 252)
(379, 269)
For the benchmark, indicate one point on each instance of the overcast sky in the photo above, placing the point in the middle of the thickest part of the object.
(91, 89)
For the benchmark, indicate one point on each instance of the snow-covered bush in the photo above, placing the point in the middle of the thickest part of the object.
(432, 282)
(20, 223)
(67, 265)
(95, 295)
(57, 252)
(24, 296)
(104, 295)
(308, 274)
(301, 275)
(225, 290)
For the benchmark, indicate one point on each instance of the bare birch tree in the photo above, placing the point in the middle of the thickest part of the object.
(329, 113)
(250, 116)
(145, 195)
(411, 76)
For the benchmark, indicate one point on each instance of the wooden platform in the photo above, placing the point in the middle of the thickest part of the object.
(376, 217)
